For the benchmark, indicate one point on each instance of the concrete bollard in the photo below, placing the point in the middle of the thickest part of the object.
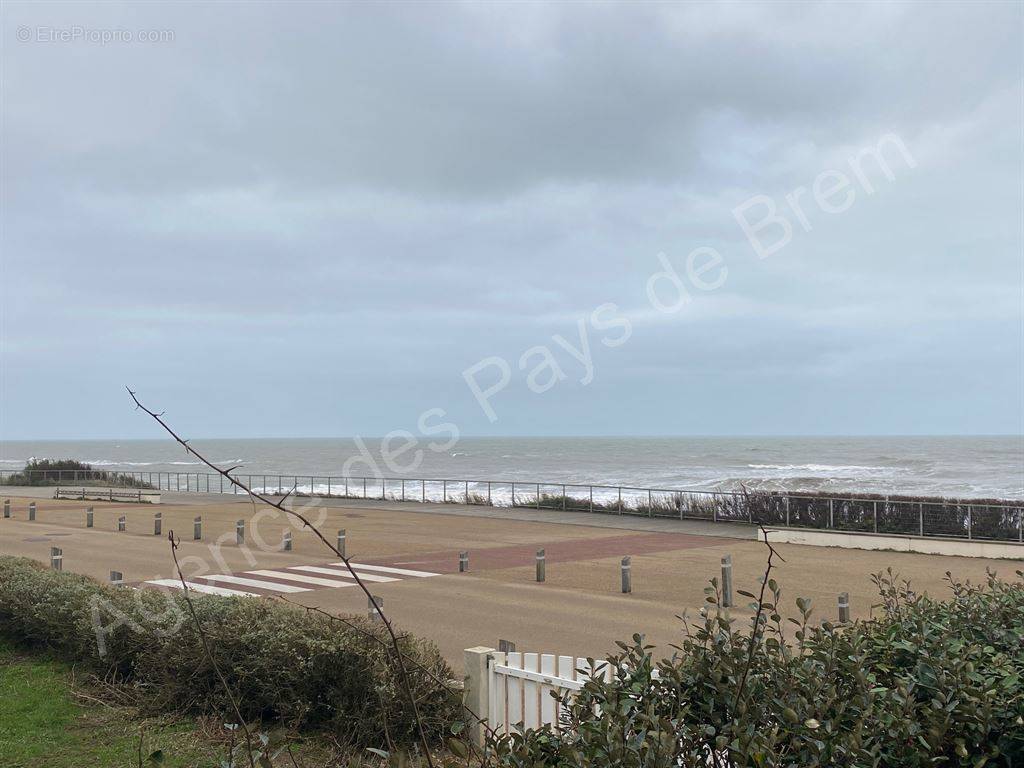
(57, 558)
(540, 565)
(727, 581)
(844, 607)
(116, 578)
(197, 529)
(89, 517)
(32, 511)
(463, 562)
(158, 523)
(341, 542)
(240, 532)
(287, 546)
(374, 610)
(627, 575)
(7, 509)
(122, 524)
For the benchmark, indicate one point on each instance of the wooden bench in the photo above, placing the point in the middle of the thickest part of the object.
(139, 496)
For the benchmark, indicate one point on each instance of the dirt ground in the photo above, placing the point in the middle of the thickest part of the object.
(578, 610)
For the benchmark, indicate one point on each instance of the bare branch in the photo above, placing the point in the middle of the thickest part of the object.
(208, 651)
(399, 656)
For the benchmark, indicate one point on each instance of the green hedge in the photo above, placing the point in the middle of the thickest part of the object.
(283, 665)
(928, 683)
(69, 472)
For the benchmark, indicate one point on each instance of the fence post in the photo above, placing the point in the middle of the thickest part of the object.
(287, 542)
(240, 532)
(627, 575)
(831, 514)
(88, 517)
(476, 695)
(197, 529)
(970, 522)
(650, 503)
(32, 511)
(489, 504)
(920, 518)
(374, 604)
(158, 523)
(1020, 525)
(844, 607)
(423, 491)
(874, 506)
(7, 509)
(538, 496)
(57, 558)
(591, 498)
(563, 498)
(444, 491)
(463, 562)
(403, 488)
(116, 578)
(122, 524)
(341, 542)
(540, 565)
(727, 581)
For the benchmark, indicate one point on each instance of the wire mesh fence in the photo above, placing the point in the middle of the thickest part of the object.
(990, 519)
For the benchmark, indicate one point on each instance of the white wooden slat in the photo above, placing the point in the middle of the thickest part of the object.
(547, 701)
(496, 708)
(566, 671)
(531, 692)
(514, 705)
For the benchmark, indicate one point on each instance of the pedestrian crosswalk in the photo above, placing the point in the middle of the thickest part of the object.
(291, 579)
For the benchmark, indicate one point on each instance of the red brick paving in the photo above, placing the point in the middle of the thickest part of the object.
(561, 551)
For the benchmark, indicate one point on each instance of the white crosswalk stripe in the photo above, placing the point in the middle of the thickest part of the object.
(341, 574)
(205, 588)
(259, 584)
(299, 574)
(388, 569)
(302, 578)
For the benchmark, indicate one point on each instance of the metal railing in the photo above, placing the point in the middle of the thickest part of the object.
(992, 520)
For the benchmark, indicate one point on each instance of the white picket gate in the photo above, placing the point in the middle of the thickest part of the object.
(520, 687)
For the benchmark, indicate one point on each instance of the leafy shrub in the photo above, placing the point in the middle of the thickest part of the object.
(69, 471)
(927, 683)
(282, 664)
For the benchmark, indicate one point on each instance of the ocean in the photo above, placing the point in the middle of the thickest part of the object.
(962, 467)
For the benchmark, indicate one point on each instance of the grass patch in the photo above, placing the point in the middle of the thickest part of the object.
(51, 719)
(45, 723)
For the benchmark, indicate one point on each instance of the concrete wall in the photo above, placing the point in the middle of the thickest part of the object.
(929, 546)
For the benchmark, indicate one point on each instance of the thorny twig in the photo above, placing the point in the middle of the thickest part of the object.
(279, 505)
(208, 650)
(757, 616)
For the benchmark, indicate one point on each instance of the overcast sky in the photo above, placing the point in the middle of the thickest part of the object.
(310, 219)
